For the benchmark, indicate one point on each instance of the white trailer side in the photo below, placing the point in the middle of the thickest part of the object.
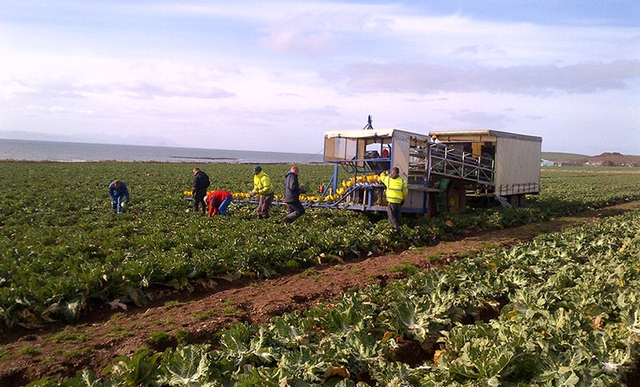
(517, 166)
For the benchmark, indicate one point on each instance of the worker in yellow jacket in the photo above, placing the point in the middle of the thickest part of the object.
(262, 186)
(396, 192)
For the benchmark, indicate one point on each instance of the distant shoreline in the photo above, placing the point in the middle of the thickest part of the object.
(29, 150)
(204, 158)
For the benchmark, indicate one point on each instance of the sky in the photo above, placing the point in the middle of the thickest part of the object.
(275, 75)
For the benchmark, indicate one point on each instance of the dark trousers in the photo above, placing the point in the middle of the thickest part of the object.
(264, 204)
(198, 199)
(394, 215)
(295, 211)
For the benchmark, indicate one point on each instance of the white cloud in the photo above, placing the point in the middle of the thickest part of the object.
(537, 80)
(315, 43)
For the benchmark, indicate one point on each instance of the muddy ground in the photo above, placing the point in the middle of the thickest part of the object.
(61, 350)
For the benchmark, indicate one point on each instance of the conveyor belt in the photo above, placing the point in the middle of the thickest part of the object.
(449, 162)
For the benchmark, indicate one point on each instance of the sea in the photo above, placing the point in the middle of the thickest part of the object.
(30, 150)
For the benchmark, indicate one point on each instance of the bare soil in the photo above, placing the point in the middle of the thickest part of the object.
(59, 350)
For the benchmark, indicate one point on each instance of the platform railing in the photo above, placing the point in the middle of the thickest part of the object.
(449, 162)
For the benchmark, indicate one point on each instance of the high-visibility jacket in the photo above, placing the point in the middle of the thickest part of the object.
(397, 189)
(262, 184)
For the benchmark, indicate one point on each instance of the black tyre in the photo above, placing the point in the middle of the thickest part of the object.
(523, 200)
(456, 198)
(514, 200)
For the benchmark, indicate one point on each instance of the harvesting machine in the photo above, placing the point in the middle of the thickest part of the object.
(442, 168)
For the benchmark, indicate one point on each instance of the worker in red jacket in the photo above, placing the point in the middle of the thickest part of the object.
(218, 201)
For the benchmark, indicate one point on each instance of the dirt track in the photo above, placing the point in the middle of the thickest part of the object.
(28, 355)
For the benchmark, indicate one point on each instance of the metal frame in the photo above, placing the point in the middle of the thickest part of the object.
(451, 163)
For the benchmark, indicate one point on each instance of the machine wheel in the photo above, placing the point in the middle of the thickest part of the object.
(514, 200)
(523, 200)
(456, 198)
(431, 205)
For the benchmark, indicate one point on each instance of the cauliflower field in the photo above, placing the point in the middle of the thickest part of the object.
(565, 304)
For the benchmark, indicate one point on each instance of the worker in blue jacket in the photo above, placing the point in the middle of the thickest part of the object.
(119, 195)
